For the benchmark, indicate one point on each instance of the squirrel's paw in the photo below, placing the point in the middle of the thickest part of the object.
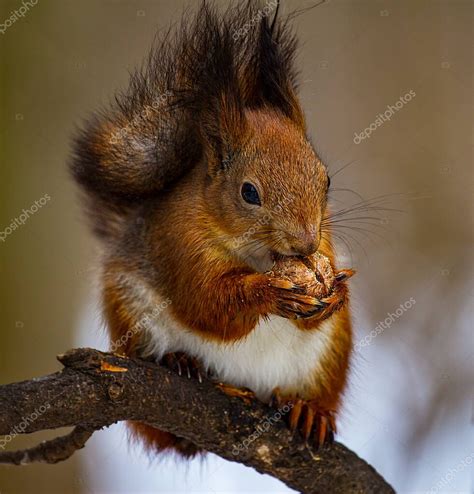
(336, 299)
(184, 365)
(290, 301)
(316, 426)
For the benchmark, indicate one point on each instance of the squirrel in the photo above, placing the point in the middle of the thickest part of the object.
(195, 180)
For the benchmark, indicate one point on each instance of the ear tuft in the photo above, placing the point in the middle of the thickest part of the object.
(274, 78)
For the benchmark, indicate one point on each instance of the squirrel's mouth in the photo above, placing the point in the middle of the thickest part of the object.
(279, 255)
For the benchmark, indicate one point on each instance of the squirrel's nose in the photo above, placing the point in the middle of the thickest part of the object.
(306, 243)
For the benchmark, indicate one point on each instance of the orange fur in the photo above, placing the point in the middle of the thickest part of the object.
(155, 440)
(164, 189)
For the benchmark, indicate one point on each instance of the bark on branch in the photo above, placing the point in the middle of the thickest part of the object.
(96, 389)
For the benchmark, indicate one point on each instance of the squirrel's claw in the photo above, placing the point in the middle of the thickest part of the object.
(320, 306)
(344, 274)
(276, 398)
(332, 303)
(316, 427)
(292, 311)
(295, 414)
(182, 364)
(290, 300)
(292, 304)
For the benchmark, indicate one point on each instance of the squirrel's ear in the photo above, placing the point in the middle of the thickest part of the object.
(272, 70)
(223, 130)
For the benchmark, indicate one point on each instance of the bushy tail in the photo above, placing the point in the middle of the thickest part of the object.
(155, 440)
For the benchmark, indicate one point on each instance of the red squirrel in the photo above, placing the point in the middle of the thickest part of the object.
(195, 181)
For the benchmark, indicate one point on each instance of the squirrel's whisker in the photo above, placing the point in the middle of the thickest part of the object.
(204, 141)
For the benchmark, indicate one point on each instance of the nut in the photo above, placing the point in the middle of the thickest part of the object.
(313, 273)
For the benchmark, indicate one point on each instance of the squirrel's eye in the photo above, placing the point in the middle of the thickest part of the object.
(250, 194)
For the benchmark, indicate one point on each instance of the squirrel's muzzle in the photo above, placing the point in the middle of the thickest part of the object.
(305, 243)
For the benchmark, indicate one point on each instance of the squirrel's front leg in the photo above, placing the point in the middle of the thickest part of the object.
(231, 306)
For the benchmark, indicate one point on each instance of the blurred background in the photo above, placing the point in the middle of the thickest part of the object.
(409, 407)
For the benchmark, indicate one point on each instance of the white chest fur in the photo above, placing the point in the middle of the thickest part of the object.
(274, 354)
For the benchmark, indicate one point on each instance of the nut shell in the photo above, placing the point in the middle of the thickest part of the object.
(313, 273)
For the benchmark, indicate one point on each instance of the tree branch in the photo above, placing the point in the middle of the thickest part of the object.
(97, 389)
(53, 451)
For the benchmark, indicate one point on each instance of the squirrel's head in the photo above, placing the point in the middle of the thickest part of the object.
(268, 189)
(222, 95)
